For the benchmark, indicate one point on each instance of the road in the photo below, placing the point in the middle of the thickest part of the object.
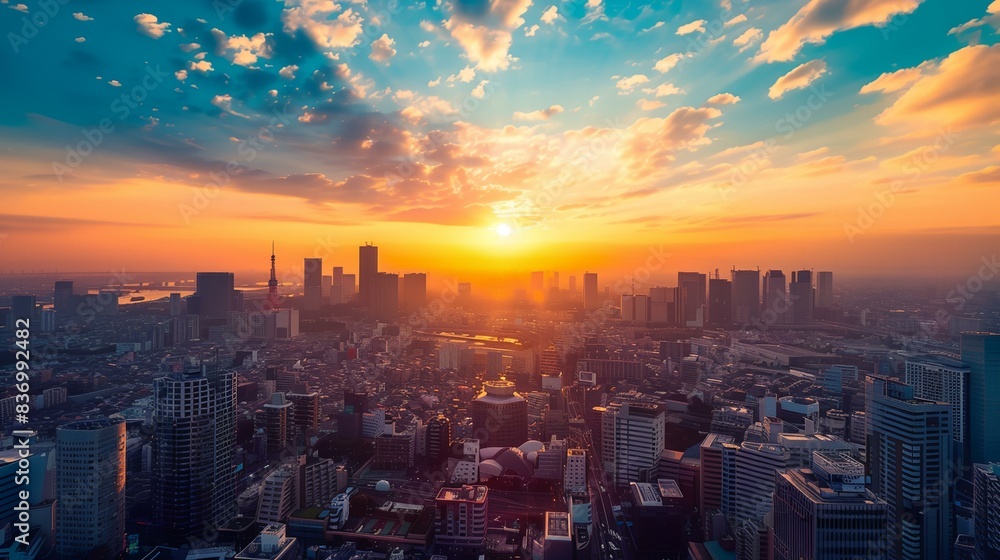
(604, 500)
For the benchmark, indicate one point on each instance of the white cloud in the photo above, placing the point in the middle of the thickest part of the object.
(748, 39)
(115, 83)
(289, 71)
(181, 75)
(530, 31)
(202, 66)
(465, 75)
(723, 99)
(246, 49)
(479, 91)
(648, 105)
(595, 11)
(225, 102)
(188, 47)
(738, 19)
(626, 85)
(82, 17)
(801, 76)
(669, 61)
(550, 15)
(80, 39)
(424, 44)
(382, 49)
(315, 17)
(434, 83)
(662, 90)
(540, 115)
(656, 25)
(697, 25)
(147, 24)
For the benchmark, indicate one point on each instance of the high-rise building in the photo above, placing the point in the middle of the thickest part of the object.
(194, 414)
(981, 351)
(628, 307)
(279, 496)
(718, 465)
(590, 294)
(176, 304)
(986, 510)
(438, 438)
(663, 303)
(824, 294)
(460, 516)
(746, 297)
(800, 298)
(312, 283)
(305, 409)
(941, 379)
(500, 415)
(414, 292)
(537, 283)
(90, 488)
(572, 284)
(640, 308)
(756, 463)
(909, 456)
(337, 286)
(827, 513)
(62, 296)
(775, 299)
(276, 413)
(367, 269)
(349, 287)
(720, 303)
(575, 475)
(385, 297)
(23, 307)
(691, 287)
(214, 292)
(632, 438)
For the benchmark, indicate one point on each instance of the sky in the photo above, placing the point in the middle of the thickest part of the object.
(501, 135)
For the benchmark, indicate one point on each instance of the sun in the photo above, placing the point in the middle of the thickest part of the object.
(504, 230)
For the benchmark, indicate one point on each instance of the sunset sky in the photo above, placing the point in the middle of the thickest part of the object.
(848, 135)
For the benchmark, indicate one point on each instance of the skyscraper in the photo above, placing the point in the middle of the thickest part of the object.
(590, 297)
(941, 379)
(438, 439)
(720, 303)
(385, 297)
(312, 280)
(23, 307)
(90, 487)
(414, 292)
(746, 297)
(62, 296)
(691, 286)
(824, 295)
(367, 269)
(827, 513)
(800, 298)
(981, 351)
(337, 286)
(775, 300)
(632, 437)
(500, 415)
(349, 287)
(718, 465)
(214, 291)
(663, 305)
(194, 414)
(276, 421)
(909, 454)
(986, 510)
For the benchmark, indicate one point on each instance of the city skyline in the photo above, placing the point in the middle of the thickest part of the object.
(714, 130)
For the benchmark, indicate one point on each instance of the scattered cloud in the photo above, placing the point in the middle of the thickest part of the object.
(382, 49)
(149, 25)
(626, 85)
(540, 115)
(800, 77)
(693, 27)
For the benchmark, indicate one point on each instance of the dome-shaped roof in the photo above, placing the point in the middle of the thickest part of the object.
(383, 486)
(490, 467)
(514, 461)
(531, 445)
(490, 452)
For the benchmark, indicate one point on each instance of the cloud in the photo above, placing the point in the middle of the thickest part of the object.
(20, 8)
(663, 90)
(530, 31)
(649, 144)
(115, 83)
(626, 85)
(801, 76)
(434, 83)
(961, 93)
(147, 24)
(202, 66)
(987, 175)
(812, 153)
(82, 17)
(483, 30)
(738, 19)
(656, 25)
(289, 71)
(181, 75)
(669, 61)
(540, 115)
(889, 82)
(595, 11)
(245, 49)
(593, 100)
(479, 91)
(723, 99)
(315, 18)
(991, 18)
(188, 47)
(382, 49)
(648, 105)
(424, 44)
(465, 75)
(748, 38)
(80, 39)
(550, 15)
(819, 19)
(697, 25)
(225, 102)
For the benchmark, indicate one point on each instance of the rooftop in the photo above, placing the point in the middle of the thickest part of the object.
(463, 494)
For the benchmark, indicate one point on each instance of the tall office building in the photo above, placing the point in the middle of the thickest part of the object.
(575, 473)
(746, 297)
(367, 270)
(941, 379)
(640, 307)
(909, 454)
(628, 307)
(632, 439)
(775, 299)
(90, 488)
(986, 510)
(349, 287)
(827, 513)
(720, 303)
(692, 286)
(385, 297)
(215, 295)
(756, 463)
(438, 439)
(337, 286)
(500, 415)
(824, 295)
(572, 284)
(312, 283)
(981, 351)
(800, 298)
(663, 305)
(176, 303)
(305, 409)
(718, 459)
(62, 296)
(414, 292)
(194, 414)
(23, 307)
(276, 413)
(460, 516)
(591, 299)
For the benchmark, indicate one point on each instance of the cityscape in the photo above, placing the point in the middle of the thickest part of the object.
(500, 280)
